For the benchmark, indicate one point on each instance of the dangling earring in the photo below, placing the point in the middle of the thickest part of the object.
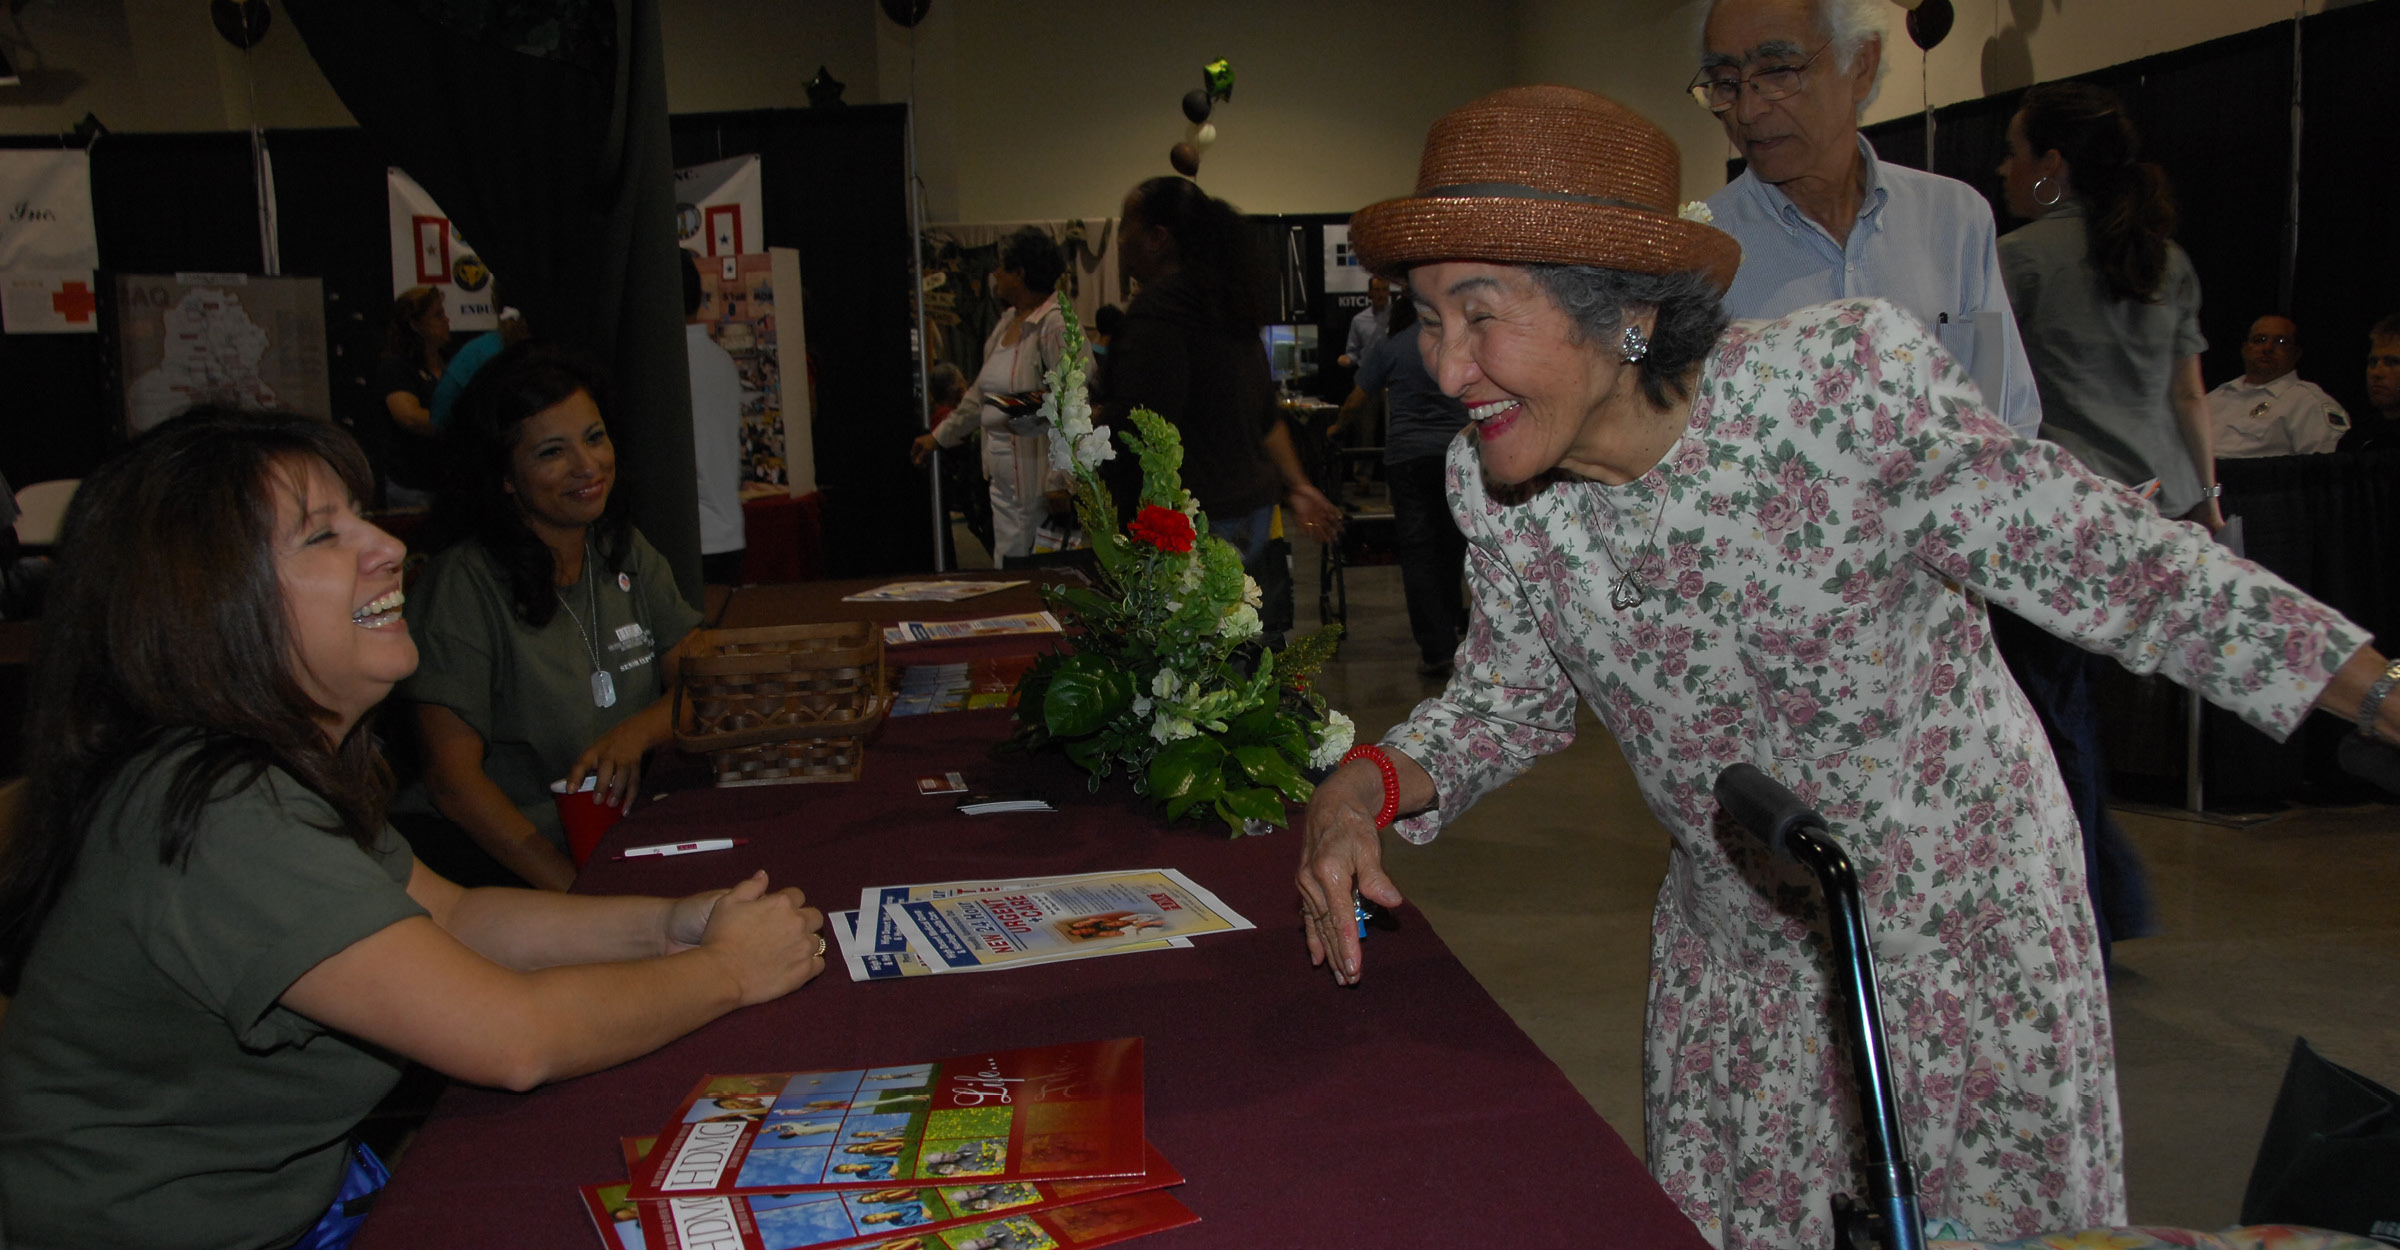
(1634, 345)
(2054, 193)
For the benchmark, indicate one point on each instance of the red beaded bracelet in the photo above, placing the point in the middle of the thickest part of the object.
(1391, 779)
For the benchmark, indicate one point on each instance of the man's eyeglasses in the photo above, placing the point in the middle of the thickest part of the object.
(1719, 87)
(2279, 340)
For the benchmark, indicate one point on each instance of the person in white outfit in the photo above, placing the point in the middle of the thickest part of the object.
(1003, 399)
(716, 438)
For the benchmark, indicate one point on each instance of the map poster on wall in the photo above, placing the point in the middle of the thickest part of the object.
(223, 338)
(737, 304)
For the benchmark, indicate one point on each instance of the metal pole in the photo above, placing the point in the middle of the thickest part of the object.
(916, 270)
(2285, 280)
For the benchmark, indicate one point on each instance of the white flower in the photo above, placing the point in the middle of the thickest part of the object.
(1251, 594)
(1169, 727)
(1334, 741)
(1141, 705)
(1697, 210)
(1165, 684)
(1240, 622)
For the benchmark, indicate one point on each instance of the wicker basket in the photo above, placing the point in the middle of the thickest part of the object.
(789, 703)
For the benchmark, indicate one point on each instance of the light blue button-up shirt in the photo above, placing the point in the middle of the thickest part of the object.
(1922, 241)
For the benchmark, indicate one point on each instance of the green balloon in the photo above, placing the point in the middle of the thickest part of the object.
(1218, 75)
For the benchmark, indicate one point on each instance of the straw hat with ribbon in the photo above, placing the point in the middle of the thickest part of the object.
(1545, 175)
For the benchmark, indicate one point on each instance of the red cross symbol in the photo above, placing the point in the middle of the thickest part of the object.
(74, 301)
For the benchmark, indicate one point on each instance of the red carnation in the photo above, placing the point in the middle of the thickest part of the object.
(1163, 528)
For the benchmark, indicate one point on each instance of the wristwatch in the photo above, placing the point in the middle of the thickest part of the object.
(2373, 703)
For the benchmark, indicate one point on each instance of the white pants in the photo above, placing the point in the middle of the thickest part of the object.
(1018, 466)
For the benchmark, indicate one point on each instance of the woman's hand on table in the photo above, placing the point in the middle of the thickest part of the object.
(616, 759)
(1341, 852)
(687, 919)
(769, 941)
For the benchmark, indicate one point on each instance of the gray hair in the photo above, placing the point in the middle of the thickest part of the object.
(1691, 314)
(1848, 25)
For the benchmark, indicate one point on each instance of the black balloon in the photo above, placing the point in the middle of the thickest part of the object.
(242, 22)
(1196, 105)
(825, 90)
(906, 12)
(1186, 159)
(1929, 23)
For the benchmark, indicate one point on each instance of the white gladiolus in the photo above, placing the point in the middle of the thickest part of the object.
(1242, 622)
(1340, 731)
(1169, 727)
(1164, 684)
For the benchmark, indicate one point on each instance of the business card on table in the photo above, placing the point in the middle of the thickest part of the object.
(988, 804)
(947, 783)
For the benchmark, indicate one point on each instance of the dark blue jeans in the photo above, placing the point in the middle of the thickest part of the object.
(1433, 557)
(2056, 677)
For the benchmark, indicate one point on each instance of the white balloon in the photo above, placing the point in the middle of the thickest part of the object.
(1202, 135)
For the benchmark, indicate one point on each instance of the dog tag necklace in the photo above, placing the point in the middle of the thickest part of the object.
(604, 687)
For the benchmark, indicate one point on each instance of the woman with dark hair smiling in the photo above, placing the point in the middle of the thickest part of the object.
(551, 634)
(220, 954)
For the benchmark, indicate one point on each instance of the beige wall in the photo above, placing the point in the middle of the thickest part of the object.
(1055, 109)
(1044, 109)
(1642, 52)
(154, 65)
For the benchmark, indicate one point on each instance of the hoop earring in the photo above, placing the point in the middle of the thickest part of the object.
(2042, 184)
(1633, 345)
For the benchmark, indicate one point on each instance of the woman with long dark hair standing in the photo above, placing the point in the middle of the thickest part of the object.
(551, 635)
(220, 954)
(2109, 309)
(1190, 352)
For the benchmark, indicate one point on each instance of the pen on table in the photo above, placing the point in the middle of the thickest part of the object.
(684, 848)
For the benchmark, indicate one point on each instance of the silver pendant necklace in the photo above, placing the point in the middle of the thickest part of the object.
(604, 687)
(1629, 589)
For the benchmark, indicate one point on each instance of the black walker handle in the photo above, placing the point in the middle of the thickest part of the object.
(1794, 831)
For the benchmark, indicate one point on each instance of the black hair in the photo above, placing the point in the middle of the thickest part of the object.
(166, 627)
(2129, 205)
(1213, 246)
(2386, 328)
(522, 380)
(1034, 256)
(1108, 320)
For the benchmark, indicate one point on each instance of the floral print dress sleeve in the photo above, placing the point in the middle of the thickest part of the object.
(1508, 702)
(2032, 529)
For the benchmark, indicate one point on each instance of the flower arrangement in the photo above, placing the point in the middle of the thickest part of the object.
(1168, 682)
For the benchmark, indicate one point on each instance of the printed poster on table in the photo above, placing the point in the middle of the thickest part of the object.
(719, 208)
(829, 1220)
(1048, 1113)
(49, 250)
(225, 338)
(427, 250)
(1068, 918)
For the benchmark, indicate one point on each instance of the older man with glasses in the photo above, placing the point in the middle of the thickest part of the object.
(1820, 218)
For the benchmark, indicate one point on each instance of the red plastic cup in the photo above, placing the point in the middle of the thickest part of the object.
(586, 814)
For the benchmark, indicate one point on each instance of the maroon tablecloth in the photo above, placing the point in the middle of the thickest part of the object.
(1407, 1111)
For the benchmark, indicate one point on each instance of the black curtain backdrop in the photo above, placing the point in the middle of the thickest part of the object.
(2349, 186)
(835, 187)
(2216, 116)
(549, 147)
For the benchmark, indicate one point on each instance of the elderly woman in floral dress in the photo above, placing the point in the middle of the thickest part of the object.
(1773, 544)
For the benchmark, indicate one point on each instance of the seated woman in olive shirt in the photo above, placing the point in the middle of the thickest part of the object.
(220, 954)
(550, 637)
